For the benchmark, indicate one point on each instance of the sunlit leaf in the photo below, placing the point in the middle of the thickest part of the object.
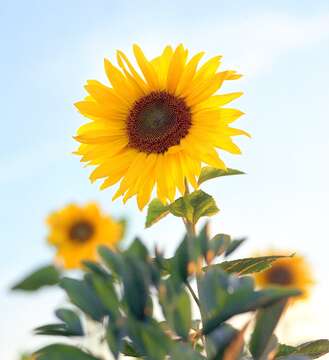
(208, 173)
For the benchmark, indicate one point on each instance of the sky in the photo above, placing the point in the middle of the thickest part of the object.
(50, 48)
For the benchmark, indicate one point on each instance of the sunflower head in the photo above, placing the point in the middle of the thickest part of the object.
(154, 127)
(292, 271)
(76, 232)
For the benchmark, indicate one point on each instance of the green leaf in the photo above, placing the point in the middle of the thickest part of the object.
(185, 352)
(193, 206)
(112, 260)
(96, 268)
(71, 319)
(312, 349)
(149, 339)
(45, 276)
(63, 352)
(267, 320)
(138, 249)
(155, 212)
(223, 296)
(234, 244)
(129, 350)
(176, 306)
(107, 295)
(178, 264)
(218, 340)
(136, 281)
(115, 333)
(83, 296)
(209, 172)
(219, 243)
(248, 265)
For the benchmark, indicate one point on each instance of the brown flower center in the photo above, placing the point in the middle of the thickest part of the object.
(158, 121)
(81, 231)
(280, 275)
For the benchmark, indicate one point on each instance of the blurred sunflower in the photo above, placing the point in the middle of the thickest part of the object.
(292, 272)
(156, 128)
(76, 231)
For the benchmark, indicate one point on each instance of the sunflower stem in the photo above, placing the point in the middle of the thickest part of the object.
(191, 233)
(188, 285)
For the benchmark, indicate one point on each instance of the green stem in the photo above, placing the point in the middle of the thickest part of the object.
(188, 285)
(191, 234)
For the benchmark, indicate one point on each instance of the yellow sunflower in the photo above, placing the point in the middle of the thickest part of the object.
(76, 231)
(294, 272)
(157, 127)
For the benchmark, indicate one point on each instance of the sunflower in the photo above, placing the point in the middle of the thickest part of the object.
(156, 127)
(76, 231)
(292, 271)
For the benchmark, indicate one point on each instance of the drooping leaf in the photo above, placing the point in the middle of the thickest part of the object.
(193, 206)
(266, 322)
(84, 297)
(248, 265)
(45, 276)
(63, 352)
(312, 349)
(155, 212)
(209, 172)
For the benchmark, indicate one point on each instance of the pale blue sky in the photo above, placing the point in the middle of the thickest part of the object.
(50, 48)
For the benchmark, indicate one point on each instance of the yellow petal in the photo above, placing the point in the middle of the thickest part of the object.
(146, 67)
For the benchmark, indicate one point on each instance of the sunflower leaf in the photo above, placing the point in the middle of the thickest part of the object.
(84, 297)
(45, 276)
(155, 212)
(233, 245)
(208, 173)
(312, 349)
(193, 206)
(248, 265)
(63, 352)
(262, 337)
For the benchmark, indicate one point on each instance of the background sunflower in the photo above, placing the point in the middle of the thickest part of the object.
(76, 232)
(293, 271)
